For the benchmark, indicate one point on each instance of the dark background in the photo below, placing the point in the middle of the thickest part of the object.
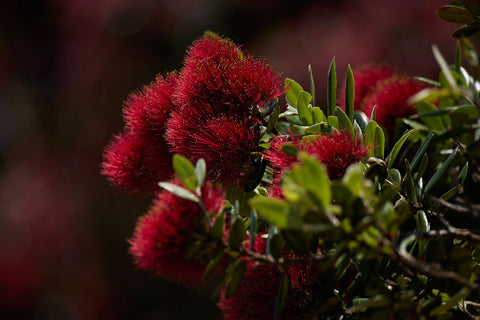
(66, 66)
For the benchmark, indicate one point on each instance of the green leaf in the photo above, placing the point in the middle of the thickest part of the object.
(423, 167)
(469, 51)
(372, 115)
(304, 112)
(293, 90)
(409, 184)
(289, 149)
(379, 143)
(396, 148)
(313, 177)
(200, 172)
(369, 138)
(440, 172)
(185, 171)
(333, 121)
(349, 93)
(444, 66)
(272, 210)
(344, 121)
(361, 118)
(353, 179)
(253, 228)
(272, 121)
(458, 58)
(237, 234)
(422, 149)
(432, 121)
(466, 30)
(394, 176)
(462, 176)
(216, 232)
(454, 300)
(455, 14)
(281, 296)
(318, 115)
(237, 274)
(275, 243)
(331, 89)
(212, 265)
(179, 191)
(312, 84)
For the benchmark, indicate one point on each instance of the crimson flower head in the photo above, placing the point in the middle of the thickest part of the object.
(390, 98)
(217, 96)
(366, 79)
(336, 151)
(139, 157)
(217, 72)
(257, 294)
(162, 236)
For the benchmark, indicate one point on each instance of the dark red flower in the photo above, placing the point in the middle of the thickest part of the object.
(162, 237)
(218, 93)
(257, 294)
(366, 79)
(336, 151)
(390, 98)
(218, 73)
(139, 158)
(225, 142)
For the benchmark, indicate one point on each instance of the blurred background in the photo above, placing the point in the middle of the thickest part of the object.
(66, 66)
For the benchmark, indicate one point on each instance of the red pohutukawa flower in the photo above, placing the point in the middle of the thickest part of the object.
(217, 97)
(163, 236)
(390, 98)
(365, 78)
(336, 151)
(138, 158)
(257, 294)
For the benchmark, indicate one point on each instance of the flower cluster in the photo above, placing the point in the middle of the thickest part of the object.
(207, 110)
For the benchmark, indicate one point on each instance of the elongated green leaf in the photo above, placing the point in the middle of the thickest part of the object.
(281, 296)
(272, 121)
(422, 149)
(441, 171)
(462, 176)
(216, 232)
(455, 14)
(422, 168)
(444, 66)
(312, 84)
(275, 243)
(379, 143)
(253, 228)
(432, 121)
(396, 148)
(237, 234)
(185, 171)
(289, 149)
(235, 278)
(333, 121)
(349, 93)
(455, 299)
(344, 121)
(179, 191)
(361, 118)
(293, 90)
(212, 265)
(458, 58)
(473, 6)
(331, 89)
(369, 138)
(304, 112)
(200, 172)
(372, 115)
(409, 184)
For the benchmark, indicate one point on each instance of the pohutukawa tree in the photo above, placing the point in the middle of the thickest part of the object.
(363, 207)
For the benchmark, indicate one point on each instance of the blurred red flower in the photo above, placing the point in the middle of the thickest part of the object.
(257, 294)
(163, 236)
(336, 151)
(139, 158)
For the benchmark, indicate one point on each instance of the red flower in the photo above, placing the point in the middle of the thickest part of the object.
(139, 158)
(225, 142)
(366, 79)
(218, 73)
(336, 151)
(257, 294)
(163, 236)
(218, 93)
(390, 96)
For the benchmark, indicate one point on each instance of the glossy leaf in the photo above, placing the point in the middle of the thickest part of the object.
(455, 14)
(440, 172)
(432, 121)
(331, 89)
(179, 191)
(318, 115)
(236, 278)
(289, 149)
(344, 121)
(333, 121)
(349, 93)
(253, 227)
(304, 112)
(379, 143)
(236, 234)
(272, 121)
(200, 172)
(185, 171)
(422, 149)
(473, 6)
(293, 90)
(444, 66)
(396, 148)
(272, 210)
(466, 30)
(281, 296)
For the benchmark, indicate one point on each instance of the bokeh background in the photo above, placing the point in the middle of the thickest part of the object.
(66, 66)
